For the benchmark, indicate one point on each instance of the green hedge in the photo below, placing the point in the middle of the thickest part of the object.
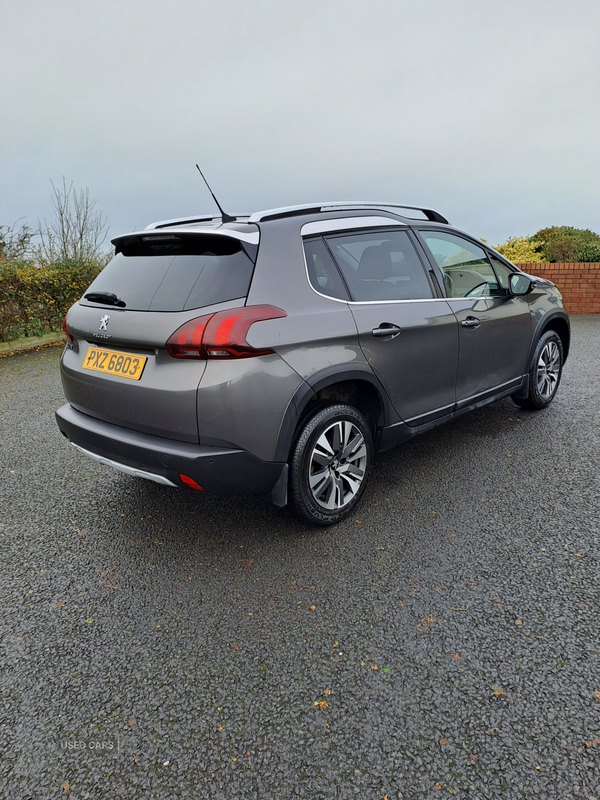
(34, 299)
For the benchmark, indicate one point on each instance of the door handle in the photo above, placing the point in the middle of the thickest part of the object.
(386, 331)
(471, 322)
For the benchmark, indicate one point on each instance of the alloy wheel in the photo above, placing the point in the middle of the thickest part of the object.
(337, 465)
(548, 370)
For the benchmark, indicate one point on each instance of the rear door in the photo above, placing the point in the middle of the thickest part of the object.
(494, 326)
(407, 333)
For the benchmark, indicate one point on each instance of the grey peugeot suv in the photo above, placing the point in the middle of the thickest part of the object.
(279, 352)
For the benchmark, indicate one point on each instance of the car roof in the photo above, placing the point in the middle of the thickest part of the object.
(428, 214)
(245, 227)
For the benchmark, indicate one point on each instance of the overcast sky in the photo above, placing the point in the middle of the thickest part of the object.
(485, 110)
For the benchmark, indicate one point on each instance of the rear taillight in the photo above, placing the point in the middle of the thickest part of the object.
(221, 335)
(69, 336)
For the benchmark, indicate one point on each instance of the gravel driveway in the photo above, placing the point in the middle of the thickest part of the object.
(445, 642)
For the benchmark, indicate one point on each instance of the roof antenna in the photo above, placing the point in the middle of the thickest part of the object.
(225, 217)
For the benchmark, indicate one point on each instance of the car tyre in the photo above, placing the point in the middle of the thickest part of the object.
(545, 372)
(331, 464)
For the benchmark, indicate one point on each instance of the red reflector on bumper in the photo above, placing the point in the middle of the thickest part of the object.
(191, 483)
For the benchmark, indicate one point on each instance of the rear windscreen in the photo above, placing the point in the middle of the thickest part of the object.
(177, 275)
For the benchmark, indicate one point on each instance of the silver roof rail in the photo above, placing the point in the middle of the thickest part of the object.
(316, 208)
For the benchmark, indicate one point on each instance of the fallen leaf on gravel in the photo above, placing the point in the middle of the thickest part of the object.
(89, 620)
(498, 692)
(326, 691)
(437, 786)
(589, 744)
(313, 608)
(443, 742)
(65, 786)
(474, 757)
(374, 667)
(425, 624)
(132, 722)
(597, 695)
(235, 646)
(320, 704)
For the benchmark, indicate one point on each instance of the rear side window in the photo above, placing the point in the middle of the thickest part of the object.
(322, 271)
(177, 275)
(380, 266)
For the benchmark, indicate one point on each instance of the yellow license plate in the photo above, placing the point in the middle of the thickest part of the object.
(125, 365)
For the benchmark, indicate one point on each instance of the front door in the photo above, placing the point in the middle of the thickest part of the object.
(494, 326)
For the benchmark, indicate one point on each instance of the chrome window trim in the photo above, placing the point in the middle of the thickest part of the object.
(409, 300)
(366, 302)
(346, 223)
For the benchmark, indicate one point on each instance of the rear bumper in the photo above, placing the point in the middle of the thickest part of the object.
(216, 470)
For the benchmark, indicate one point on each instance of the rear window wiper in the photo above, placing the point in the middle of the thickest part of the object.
(107, 298)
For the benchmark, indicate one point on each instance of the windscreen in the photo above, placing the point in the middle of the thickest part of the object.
(177, 274)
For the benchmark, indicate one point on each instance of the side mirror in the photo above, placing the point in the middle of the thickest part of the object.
(520, 284)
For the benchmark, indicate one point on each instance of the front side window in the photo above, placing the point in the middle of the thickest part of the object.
(503, 272)
(381, 265)
(466, 269)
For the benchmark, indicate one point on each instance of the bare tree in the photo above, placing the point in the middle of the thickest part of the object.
(78, 231)
(15, 243)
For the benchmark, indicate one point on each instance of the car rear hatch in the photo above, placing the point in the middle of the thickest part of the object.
(117, 367)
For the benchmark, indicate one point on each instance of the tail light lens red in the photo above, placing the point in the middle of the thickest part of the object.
(221, 335)
(69, 336)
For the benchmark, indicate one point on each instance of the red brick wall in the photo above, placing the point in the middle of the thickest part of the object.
(579, 284)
